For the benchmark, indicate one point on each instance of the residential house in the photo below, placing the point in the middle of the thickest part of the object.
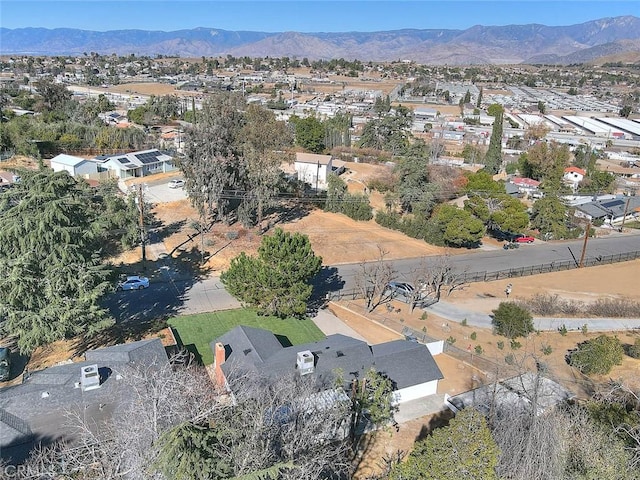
(313, 169)
(36, 410)
(74, 166)
(519, 392)
(526, 186)
(611, 210)
(573, 176)
(112, 118)
(409, 365)
(136, 164)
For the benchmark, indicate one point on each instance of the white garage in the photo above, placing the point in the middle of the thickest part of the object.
(74, 166)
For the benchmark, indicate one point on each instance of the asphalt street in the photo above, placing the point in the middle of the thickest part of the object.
(528, 255)
(168, 297)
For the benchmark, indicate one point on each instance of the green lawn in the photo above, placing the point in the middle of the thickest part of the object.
(202, 328)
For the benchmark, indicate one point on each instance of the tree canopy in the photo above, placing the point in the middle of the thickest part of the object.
(276, 282)
(512, 321)
(549, 216)
(51, 276)
(464, 449)
(459, 227)
(598, 356)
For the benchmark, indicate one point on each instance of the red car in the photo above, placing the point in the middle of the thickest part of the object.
(524, 239)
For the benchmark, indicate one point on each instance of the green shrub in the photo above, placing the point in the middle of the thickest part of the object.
(634, 350)
(451, 340)
(388, 220)
(547, 350)
(500, 344)
(563, 330)
(423, 316)
(585, 329)
(509, 359)
(357, 207)
(463, 322)
(512, 321)
(479, 349)
(515, 345)
(597, 356)
(473, 335)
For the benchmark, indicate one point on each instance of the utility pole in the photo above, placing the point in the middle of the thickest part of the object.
(584, 245)
(141, 220)
(317, 175)
(624, 216)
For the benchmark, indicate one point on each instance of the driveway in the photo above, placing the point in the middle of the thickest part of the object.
(160, 192)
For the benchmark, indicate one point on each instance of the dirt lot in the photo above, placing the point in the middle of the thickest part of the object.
(615, 280)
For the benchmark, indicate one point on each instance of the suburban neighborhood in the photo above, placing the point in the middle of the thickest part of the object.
(270, 267)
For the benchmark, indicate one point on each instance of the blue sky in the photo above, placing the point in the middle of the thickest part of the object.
(302, 15)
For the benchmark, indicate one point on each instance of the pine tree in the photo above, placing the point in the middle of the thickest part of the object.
(51, 277)
(276, 282)
(493, 158)
(464, 449)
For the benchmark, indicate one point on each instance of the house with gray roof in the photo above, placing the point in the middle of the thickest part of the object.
(36, 411)
(136, 164)
(610, 210)
(409, 365)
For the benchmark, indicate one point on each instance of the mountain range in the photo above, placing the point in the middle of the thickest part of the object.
(510, 44)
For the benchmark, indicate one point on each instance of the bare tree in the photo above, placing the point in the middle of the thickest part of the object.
(435, 277)
(619, 397)
(373, 278)
(154, 398)
(293, 422)
(541, 438)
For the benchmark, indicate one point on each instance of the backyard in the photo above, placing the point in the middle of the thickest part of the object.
(196, 332)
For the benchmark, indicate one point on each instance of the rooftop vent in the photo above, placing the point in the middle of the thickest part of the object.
(89, 378)
(305, 363)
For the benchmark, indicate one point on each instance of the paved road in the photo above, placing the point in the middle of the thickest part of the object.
(173, 294)
(453, 312)
(528, 255)
(168, 297)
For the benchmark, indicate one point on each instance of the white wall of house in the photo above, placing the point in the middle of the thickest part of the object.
(74, 166)
(84, 168)
(573, 177)
(436, 348)
(312, 172)
(416, 391)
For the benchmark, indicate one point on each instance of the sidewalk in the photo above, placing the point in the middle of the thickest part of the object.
(329, 324)
(456, 314)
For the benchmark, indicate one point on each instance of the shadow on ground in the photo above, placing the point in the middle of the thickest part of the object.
(138, 313)
(327, 281)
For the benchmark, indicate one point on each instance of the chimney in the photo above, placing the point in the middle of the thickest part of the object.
(219, 355)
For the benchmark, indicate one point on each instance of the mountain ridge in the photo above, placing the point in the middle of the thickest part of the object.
(474, 45)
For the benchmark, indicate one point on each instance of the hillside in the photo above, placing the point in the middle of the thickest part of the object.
(479, 44)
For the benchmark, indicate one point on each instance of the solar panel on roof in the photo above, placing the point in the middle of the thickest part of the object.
(149, 157)
(124, 160)
(614, 203)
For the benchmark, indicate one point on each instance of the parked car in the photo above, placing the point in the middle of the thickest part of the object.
(400, 289)
(501, 235)
(524, 239)
(176, 183)
(133, 282)
(5, 363)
